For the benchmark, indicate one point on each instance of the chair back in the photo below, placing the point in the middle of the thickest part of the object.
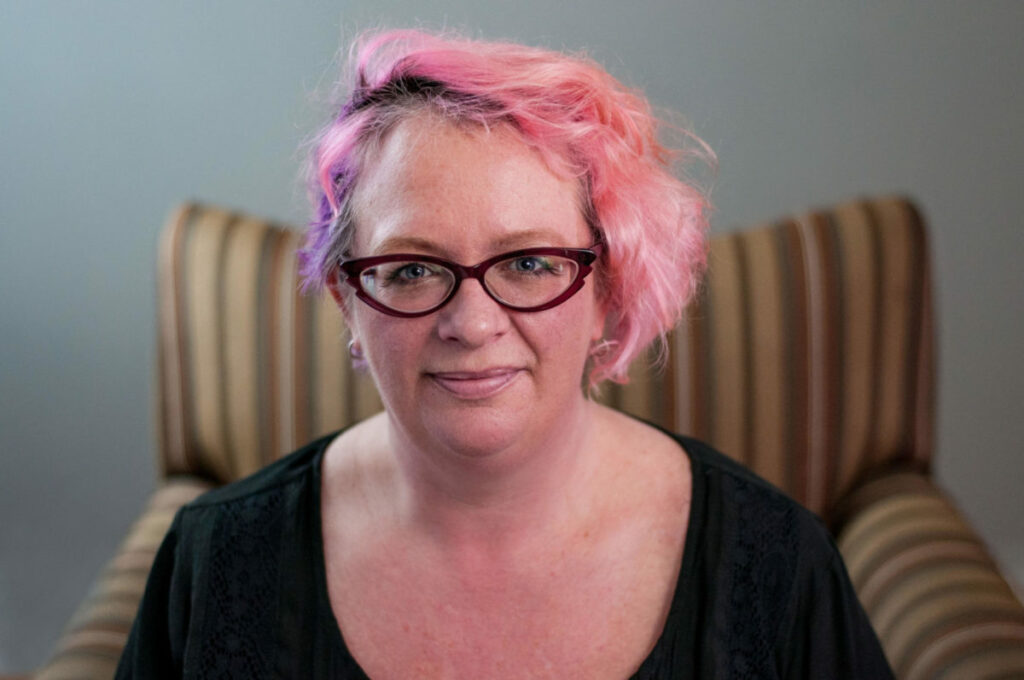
(808, 356)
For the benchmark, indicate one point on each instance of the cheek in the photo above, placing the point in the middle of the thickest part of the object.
(568, 334)
(393, 346)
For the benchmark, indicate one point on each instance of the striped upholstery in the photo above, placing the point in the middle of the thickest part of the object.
(933, 593)
(808, 357)
(91, 644)
(250, 368)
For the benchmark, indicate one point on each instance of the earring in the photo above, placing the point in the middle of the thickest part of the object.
(355, 350)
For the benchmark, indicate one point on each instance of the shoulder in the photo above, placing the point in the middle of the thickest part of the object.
(782, 597)
(286, 471)
(237, 562)
(757, 506)
(255, 511)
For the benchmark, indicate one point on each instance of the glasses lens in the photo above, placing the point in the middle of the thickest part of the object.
(407, 286)
(531, 280)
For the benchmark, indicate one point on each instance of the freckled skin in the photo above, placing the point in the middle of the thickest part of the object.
(530, 533)
(468, 195)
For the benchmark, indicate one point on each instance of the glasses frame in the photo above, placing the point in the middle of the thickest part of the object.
(584, 257)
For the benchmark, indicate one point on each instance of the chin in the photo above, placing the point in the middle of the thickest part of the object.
(477, 431)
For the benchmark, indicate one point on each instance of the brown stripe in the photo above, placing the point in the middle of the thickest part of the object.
(266, 344)
(915, 586)
(681, 381)
(302, 406)
(797, 359)
(919, 360)
(992, 651)
(287, 323)
(247, 271)
(699, 364)
(915, 548)
(896, 512)
(970, 589)
(191, 390)
(877, 369)
(666, 386)
(815, 390)
(225, 437)
(330, 358)
(896, 413)
(203, 257)
(832, 313)
(78, 664)
(747, 423)
(945, 617)
(171, 350)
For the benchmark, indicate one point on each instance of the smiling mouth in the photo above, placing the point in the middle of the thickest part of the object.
(475, 384)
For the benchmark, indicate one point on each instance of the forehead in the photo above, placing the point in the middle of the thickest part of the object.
(462, 189)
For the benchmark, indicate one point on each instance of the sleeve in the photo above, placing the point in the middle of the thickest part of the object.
(157, 638)
(825, 632)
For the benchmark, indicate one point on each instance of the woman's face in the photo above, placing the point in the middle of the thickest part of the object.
(474, 376)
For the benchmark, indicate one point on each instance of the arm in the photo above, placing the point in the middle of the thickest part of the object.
(932, 591)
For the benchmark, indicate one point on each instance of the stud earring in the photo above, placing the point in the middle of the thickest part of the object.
(355, 350)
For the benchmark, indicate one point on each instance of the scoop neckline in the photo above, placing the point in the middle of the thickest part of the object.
(679, 615)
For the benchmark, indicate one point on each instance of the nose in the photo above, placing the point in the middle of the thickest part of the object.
(472, 318)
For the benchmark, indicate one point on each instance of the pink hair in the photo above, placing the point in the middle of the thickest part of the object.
(583, 122)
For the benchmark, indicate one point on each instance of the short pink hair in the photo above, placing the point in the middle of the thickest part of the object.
(583, 122)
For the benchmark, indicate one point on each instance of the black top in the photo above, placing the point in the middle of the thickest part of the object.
(238, 588)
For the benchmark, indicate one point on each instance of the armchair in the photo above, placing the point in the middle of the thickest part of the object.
(808, 357)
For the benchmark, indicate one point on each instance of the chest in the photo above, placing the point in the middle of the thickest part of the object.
(566, 616)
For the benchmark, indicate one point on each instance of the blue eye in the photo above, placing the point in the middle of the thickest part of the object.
(410, 272)
(530, 264)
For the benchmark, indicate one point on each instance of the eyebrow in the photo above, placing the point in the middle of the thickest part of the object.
(514, 241)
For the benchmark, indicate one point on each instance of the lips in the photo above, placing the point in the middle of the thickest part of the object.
(475, 384)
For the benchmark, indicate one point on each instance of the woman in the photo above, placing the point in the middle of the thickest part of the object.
(498, 226)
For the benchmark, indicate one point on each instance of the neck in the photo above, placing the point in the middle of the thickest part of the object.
(525, 493)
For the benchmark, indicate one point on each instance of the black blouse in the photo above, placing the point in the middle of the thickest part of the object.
(238, 588)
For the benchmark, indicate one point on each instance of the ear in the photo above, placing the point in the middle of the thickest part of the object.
(598, 332)
(336, 286)
(340, 292)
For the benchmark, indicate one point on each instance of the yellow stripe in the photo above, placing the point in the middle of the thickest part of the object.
(888, 511)
(913, 586)
(682, 395)
(727, 341)
(955, 610)
(287, 286)
(985, 652)
(241, 269)
(330, 359)
(858, 271)
(202, 263)
(76, 665)
(171, 415)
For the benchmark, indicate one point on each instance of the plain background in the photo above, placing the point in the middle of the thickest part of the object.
(113, 112)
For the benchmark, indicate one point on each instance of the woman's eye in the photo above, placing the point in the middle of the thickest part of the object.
(410, 272)
(530, 264)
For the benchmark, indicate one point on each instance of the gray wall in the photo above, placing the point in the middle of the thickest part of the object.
(111, 113)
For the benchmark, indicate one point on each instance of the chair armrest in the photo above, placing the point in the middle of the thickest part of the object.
(91, 644)
(932, 591)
